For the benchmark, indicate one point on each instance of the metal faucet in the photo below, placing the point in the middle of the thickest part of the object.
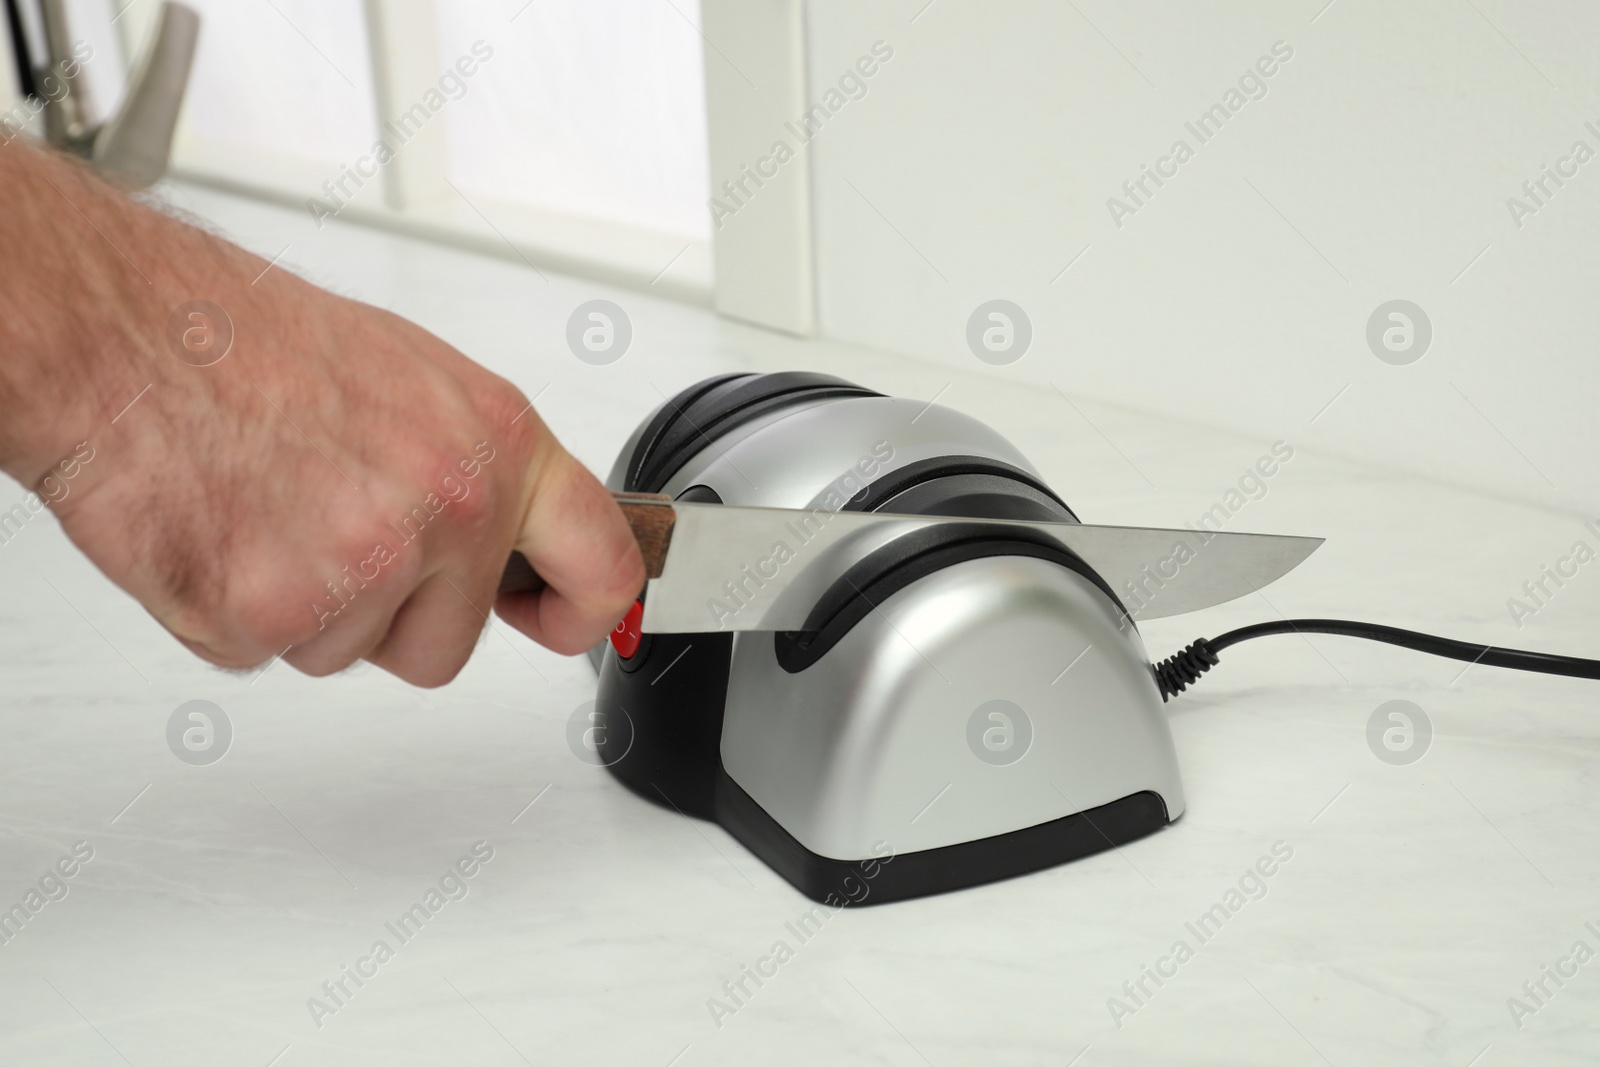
(132, 147)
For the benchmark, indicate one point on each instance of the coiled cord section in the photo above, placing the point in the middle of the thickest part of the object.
(1183, 668)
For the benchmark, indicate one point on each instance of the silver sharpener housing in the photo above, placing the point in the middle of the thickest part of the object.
(993, 715)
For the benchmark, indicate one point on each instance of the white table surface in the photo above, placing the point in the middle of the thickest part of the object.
(1419, 898)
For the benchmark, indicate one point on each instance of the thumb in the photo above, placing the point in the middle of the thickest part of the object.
(578, 541)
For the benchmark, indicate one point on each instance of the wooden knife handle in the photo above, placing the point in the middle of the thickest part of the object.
(649, 514)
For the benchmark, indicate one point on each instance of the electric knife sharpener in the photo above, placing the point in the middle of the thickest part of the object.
(964, 705)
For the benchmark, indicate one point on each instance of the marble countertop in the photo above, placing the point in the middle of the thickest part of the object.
(207, 905)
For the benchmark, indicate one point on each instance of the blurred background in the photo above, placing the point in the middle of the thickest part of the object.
(938, 155)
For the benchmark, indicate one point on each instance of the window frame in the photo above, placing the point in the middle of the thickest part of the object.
(417, 198)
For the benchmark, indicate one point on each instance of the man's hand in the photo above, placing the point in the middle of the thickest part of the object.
(339, 485)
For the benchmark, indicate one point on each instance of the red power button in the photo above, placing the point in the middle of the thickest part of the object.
(626, 637)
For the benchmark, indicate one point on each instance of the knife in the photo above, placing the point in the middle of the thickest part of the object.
(715, 567)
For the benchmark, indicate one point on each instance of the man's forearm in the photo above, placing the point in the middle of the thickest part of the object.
(90, 278)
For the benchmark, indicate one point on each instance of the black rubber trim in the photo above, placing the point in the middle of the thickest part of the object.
(649, 439)
(717, 407)
(977, 496)
(700, 494)
(903, 876)
(901, 479)
(896, 565)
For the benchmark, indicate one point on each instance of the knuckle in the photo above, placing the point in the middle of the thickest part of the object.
(501, 403)
(476, 505)
(318, 666)
(424, 672)
(287, 603)
(227, 658)
(512, 423)
(278, 614)
(452, 489)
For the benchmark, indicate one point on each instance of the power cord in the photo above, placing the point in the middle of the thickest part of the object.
(1180, 670)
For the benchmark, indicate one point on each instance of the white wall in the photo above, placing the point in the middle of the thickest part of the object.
(597, 108)
(1377, 166)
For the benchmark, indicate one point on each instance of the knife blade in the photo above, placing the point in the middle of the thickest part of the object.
(716, 567)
